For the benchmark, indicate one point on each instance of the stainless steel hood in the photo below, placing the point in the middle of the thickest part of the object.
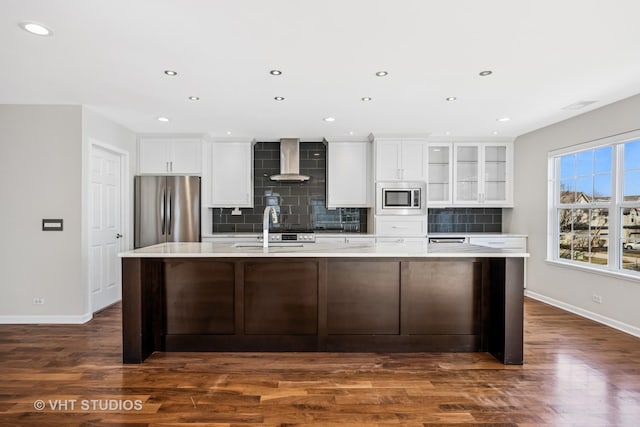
(289, 161)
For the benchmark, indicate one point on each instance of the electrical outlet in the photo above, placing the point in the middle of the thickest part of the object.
(596, 298)
(38, 301)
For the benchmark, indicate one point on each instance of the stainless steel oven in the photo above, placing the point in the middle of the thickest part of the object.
(401, 198)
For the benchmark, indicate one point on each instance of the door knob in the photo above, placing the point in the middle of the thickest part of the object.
(118, 236)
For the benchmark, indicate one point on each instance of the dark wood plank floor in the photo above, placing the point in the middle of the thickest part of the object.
(576, 373)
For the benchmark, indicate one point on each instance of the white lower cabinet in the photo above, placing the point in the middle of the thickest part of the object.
(329, 239)
(415, 226)
(506, 242)
(360, 240)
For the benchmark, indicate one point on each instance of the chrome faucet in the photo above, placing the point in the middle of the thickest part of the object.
(265, 224)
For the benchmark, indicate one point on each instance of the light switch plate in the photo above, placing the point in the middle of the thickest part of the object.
(52, 224)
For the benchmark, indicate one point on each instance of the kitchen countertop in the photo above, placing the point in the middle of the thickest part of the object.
(365, 235)
(320, 250)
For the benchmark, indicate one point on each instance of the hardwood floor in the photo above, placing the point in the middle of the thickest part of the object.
(576, 373)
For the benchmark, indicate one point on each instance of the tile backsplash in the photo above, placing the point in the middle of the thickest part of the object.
(301, 205)
(460, 220)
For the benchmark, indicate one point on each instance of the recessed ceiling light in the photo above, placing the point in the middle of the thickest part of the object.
(366, 98)
(382, 73)
(447, 133)
(329, 119)
(163, 119)
(279, 98)
(228, 132)
(450, 98)
(495, 132)
(194, 98)
(351, 132)
(503, 119)
(35, 28)
(171, 73)
(485, 73)
(275, 72)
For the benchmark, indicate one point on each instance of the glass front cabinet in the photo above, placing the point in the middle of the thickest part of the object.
(470, 174)
(482, 174)
(440, 172)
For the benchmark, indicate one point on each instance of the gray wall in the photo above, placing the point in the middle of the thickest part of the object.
(43, 174)
(567, 287)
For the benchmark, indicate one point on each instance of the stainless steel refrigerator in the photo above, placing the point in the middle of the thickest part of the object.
(166, 209)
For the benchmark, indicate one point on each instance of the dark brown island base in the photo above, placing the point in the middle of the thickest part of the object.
(281, 302)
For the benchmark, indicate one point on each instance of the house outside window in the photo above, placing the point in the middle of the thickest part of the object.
(594, 206)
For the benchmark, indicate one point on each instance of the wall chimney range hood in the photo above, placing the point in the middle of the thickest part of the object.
(289, 161)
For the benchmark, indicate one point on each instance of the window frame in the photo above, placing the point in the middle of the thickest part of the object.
(615, 206)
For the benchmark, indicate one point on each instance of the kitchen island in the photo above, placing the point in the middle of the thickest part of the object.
(323, 297)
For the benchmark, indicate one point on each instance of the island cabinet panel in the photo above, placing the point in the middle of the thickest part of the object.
(363, 297)
(199, 297)
(395, 304)
(442, 297)
(281, 298)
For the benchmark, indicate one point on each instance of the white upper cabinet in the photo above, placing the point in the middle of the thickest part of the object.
(439, 174)
(349, 174)
(170, 156)
(400, 159)
(483, 174)
(230, 175)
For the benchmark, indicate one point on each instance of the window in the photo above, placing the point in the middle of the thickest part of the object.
(594, 215)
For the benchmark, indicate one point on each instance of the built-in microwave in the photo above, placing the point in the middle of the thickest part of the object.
(401, 198)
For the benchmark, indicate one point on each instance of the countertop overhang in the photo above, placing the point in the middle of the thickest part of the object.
(322, 250)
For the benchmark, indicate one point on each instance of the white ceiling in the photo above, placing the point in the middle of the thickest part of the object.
(110, 55)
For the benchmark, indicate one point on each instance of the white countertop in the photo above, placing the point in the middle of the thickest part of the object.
(319, 250)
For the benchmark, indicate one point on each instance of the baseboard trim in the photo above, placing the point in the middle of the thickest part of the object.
(615, 324)
(55, 320)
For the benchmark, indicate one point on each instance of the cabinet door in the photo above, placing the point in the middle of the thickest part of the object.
(186, 157)
(441, 297)
(415, 226)
(281, 298)
(496, 174)
(388, 160)
(363, 297)
(412, 167)
(154, 156)
(199, 297)
(231, 174)
(502, 242)
(439, 172)
(348, 175)
(466, 173)
(170, 156)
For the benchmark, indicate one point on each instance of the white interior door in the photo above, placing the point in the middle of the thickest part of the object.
(105, 228)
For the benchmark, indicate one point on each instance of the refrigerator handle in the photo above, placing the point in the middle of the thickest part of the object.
(169, 215)
(163, 210)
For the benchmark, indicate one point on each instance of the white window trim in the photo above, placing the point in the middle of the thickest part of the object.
(613, 268)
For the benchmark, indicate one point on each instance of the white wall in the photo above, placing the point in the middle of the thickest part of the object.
(570, 288)
(43, 174)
